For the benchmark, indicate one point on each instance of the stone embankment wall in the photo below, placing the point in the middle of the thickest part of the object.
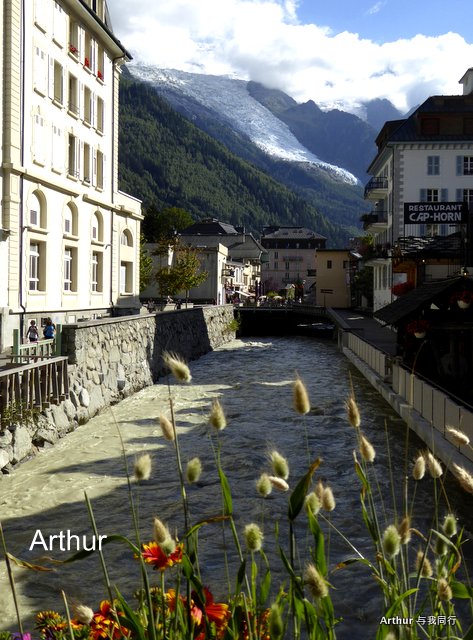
(113, 358)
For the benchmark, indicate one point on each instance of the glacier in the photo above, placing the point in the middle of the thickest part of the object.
(230, 98)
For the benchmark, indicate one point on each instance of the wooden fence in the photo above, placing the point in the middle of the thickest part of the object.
(32, 387)
(34, 351)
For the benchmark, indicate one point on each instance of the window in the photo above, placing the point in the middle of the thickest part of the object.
(465, 195)
(100, 116)
(89, 53)
(97, 271)
(70, 269)
(73, 163)
(36, 270)
(97, 227)
(73, 105)
(100, 63)
(86, 162)
(37, 211)
(34, 217)
(329, 264)
(288, 265)
(276, 255)
(276, 266)
(126, 277)
(57, 82)
(432, 195)
(99, 170)
(433, 165)
(87, 106)
(74, 39)
(126, 239)
(70, 220)
(468, 165)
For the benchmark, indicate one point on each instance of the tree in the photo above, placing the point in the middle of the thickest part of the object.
(146, 265)
(187, 268)
(161, 226)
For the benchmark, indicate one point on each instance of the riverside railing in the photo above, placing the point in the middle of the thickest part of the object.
(40, 350)
(32, 387)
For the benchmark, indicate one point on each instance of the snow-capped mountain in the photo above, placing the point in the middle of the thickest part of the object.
(234, 104)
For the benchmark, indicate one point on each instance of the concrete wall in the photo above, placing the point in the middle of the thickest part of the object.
(113, 358)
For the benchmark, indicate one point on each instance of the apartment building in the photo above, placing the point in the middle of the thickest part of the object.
(422, 190)
(291, 257)
(334, 278)
(69, 239)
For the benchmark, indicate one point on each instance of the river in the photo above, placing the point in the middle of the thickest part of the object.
(253, 380)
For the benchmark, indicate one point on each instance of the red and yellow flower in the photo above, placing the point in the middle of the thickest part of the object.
(154, 555)
(104, 623)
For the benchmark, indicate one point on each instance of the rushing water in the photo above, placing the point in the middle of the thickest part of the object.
(254, 383)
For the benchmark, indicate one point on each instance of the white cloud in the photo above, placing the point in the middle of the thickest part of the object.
(263, 40)
(376, 8)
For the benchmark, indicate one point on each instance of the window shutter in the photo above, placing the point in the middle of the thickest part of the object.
(94, 168)
(459, 165)
(444, 195)
(459, 193)
(423, 195)
(51, 78)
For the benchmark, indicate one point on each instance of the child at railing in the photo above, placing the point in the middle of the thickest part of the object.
(32, 334)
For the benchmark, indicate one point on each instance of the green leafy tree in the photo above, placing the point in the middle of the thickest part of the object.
(167, 281)
(162, 225)
(187, 269)
(146, 265)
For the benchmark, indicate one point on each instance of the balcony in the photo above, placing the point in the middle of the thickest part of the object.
(377, 221)
(376, 188)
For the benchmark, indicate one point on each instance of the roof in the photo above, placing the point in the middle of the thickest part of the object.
(209, 228)
(420, 297)
(293, 233)
(450, 246)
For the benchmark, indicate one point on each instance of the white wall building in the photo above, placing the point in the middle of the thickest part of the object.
(425, 161)
(69, 244)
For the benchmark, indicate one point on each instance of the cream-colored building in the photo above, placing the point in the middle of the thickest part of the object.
(69, 240)
(333, 278)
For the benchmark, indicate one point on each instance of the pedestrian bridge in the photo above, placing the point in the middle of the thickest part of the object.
(281, 320)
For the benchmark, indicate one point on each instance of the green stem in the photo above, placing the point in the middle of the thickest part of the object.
(11, 580)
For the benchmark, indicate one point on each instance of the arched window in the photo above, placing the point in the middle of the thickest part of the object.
(37, 210)
(70, 220)
(126, 238)
(97, 227)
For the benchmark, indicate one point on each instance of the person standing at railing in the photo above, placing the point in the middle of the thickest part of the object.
(49, 330)
(32, 334)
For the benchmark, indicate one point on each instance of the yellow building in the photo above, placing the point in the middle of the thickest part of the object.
(333, 278)
(69, 240)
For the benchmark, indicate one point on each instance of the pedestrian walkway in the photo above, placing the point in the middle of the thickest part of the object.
(367, 328)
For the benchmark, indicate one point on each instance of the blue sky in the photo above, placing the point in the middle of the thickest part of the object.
(389, 20)
(338, 53)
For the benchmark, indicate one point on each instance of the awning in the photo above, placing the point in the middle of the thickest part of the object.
(421, 298)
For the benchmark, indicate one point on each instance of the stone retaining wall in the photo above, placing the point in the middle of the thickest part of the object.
(113, 358)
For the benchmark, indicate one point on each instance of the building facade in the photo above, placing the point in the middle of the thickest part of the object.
(69, 238)
(422, 190)
(334, 277)
(291, 257)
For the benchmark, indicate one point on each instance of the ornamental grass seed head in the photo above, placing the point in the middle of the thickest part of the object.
(142, 469)
(300, 397)
(253, 537)
(458, 437)
(279, 465)
(444, 590)
(433, 465)
(312, 503)
(264, 485)
(217, 417)
(82, 613)
(418, 472)
(367, 450)
(160, 531)
(328, 501)
(315, 582)
(449, 525)
(193, 470)
(353, 412)
(279, 483)
(391, 541)
(276, 624)
(166, 428)
(405, 530)
(464, 478)
(423, 566)
(177, 367)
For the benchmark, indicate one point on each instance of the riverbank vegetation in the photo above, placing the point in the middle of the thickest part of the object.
(425, 590)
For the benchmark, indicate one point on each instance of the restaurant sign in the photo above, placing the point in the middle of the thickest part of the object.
(435, 213)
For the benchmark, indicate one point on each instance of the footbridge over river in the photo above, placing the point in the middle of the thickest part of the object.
(284, 320)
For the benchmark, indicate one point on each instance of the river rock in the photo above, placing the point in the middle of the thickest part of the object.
(21, 444)
(5, 456)
(84, 398)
